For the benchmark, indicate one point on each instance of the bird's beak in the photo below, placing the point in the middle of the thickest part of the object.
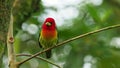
(48, 24)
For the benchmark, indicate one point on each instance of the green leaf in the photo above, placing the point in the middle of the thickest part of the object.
(94, 13)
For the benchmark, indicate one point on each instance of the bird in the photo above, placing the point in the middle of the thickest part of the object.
(48, 36)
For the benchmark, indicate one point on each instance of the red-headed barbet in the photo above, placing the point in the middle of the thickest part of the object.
(48, 35)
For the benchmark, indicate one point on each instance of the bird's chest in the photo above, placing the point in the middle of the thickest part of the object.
(49, 34)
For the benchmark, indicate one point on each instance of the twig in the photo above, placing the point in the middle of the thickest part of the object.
(40, 59)
(69, 40)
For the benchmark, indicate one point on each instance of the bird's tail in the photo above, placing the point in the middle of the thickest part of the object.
(48, 54)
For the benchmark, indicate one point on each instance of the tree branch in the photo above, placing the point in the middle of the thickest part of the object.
(40, 59)
(69, 40)
(10, 41)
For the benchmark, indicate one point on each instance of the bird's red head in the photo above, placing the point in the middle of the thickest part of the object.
(49, 31)
(49, 24)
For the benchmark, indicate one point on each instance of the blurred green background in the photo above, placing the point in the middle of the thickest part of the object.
(73, 17)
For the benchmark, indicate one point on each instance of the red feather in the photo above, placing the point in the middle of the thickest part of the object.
(49, 32)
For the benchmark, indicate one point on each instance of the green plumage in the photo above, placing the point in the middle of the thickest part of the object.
(46, 43)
